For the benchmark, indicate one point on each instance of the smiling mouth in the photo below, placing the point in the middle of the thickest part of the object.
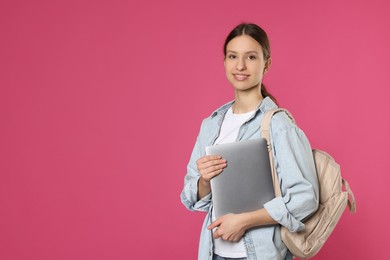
(240, 77)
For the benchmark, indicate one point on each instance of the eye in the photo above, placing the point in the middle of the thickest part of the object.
(231, 56)
(252, 57)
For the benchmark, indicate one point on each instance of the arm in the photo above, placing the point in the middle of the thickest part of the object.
(297, 175)
(189, 194)
(299, 186)
(196, 194)
(232, 227)
(204, 188)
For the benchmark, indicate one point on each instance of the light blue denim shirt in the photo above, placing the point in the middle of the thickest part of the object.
(296, 172)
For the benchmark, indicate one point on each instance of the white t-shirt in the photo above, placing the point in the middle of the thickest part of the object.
(228, 134)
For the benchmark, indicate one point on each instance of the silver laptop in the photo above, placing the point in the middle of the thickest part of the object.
(246, 182)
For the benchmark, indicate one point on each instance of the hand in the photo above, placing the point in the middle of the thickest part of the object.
(230, 227)
(210, 166)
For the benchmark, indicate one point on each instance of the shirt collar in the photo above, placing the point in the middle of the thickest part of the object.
(265, 105)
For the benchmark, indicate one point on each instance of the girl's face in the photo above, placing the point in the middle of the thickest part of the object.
(244, 63)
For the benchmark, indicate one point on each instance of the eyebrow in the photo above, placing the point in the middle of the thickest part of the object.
(230, 51)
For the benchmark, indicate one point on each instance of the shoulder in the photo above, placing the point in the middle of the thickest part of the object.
(281, 121)
(284, 132)
(283, 127)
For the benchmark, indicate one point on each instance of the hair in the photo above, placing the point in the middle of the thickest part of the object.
(261, 37)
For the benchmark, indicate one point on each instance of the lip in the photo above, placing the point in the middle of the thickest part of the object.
(240, 77)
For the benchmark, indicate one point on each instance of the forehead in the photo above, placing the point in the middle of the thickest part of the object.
(242, 44)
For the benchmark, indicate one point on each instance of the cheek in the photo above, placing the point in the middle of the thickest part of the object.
(258, 70)
(229, 70)
(229, 66)
(259, 75)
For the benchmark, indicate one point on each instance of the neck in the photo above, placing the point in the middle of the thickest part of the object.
(246, 101)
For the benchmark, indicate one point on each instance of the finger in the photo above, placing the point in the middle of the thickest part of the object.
(208, 168)
(208, 176)
(214, 174)
(216, 234)
(208, 158)
(214, 162)
(215, 224)
(225, 237)
(214, 171)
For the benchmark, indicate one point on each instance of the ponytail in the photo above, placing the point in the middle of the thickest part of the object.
(265, 93)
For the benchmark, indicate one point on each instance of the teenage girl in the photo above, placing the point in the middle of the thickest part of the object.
(256, 234)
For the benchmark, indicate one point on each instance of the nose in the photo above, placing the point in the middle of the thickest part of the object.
(240, 65)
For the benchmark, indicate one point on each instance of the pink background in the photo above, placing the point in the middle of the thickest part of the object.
(101, 102)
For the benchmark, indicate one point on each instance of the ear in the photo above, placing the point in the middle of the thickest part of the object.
(267, 65)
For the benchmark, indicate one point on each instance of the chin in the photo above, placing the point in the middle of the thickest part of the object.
(243, 86)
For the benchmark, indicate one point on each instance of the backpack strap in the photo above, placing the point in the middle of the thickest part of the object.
(351, 197)
(265, 133)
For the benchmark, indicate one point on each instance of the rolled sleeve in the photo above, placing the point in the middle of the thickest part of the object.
(297, 176)
(203, 204)
(277, 209)
(189, 194)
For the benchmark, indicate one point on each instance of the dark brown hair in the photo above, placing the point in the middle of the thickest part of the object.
(261, 37)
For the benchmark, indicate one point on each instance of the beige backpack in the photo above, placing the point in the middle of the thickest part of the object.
(332, 201)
